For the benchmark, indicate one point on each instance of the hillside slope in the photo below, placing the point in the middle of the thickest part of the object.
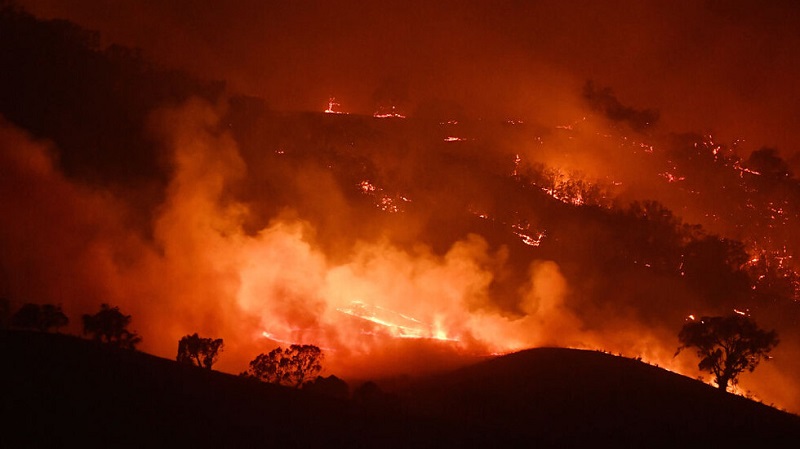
(576, 398)
(60, 391)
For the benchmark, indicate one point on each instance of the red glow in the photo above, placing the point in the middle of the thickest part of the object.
(390, 112)
(333, 106)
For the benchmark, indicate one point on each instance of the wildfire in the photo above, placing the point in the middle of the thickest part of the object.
(395, 324)
(384, 202)
(524, 231)
(670, 177)
(529, 238)
(332, 106)
(390, 112)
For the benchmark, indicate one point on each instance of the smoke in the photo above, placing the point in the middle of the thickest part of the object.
(304, 264)
(201, 272)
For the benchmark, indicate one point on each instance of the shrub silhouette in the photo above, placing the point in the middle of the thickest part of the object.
(370, 396)
(39, 317)
(330, 386)
(199, 351)
(109, 325)
(727, 345)
(290, 367)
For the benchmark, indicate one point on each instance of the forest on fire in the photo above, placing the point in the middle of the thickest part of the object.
(134, 184)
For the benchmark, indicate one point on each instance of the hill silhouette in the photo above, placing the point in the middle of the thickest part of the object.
(63, 391)
(575, 397)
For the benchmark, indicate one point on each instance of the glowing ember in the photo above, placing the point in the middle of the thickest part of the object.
(531, 240)
(671, 177)
(391, 112)
(366, 186)
(525, 232)
(517, 160)
(332, 105)
(386, 203)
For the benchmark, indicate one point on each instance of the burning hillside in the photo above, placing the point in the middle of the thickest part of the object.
(399, 239)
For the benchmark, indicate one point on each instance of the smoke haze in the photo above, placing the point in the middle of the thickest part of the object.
(389, 249)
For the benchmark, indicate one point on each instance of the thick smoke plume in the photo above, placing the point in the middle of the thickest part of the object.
(201, 272)
(346, 235)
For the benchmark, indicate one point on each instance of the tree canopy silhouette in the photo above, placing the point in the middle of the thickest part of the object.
(727, 345)
(291, 367)
(39, 317)
(331, 386)
(109, 325)
(198, 351)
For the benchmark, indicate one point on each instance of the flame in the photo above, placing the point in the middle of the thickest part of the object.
(390, 112)
(384, 202)
(332, 107)
(397, 324)
(373, 305)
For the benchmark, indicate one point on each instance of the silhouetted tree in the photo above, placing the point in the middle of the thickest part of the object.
(199, 351)
(290, 367)
(727, 345)
(109, 325)
(330, 386)
(39, 317)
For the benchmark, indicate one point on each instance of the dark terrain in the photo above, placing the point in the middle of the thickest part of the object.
(61, 391)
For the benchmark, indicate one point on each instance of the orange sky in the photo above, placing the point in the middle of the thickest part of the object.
(728, 67)
(724, 67)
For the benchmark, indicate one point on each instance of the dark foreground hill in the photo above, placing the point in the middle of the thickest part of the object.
(576, 398)
(59, 391)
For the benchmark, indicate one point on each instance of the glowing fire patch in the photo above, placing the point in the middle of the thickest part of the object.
(390, 112)
(524, 231)
(384, 202)
(671, 177)
(332, 107)
(394, 323)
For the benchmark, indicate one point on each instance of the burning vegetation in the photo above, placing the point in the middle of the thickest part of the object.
(399, 245)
